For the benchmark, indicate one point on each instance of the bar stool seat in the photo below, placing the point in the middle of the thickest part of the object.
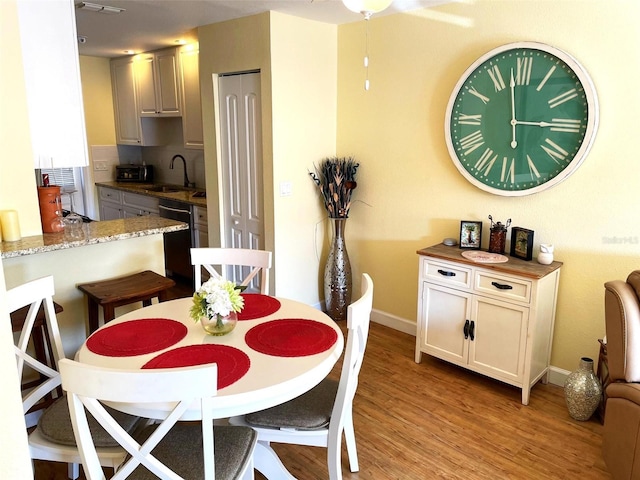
(41, 347)
(116, 292)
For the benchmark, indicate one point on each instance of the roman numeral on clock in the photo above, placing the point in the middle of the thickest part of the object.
(532, 168)
(473, 91)
(567, 125)
(563, 97)
(496, 78)
(546, 77)
(555, 151)
(465, 119)
(508, 172)
(523, 71)
(472, 141)
(485, 162)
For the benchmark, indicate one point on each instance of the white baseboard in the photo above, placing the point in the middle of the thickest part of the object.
(557, 376)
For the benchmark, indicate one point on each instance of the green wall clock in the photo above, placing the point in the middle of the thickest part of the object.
(521, 119)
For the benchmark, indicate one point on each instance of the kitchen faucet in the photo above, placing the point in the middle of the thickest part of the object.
(186, 182)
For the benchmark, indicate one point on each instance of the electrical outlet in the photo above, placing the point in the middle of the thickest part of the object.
(100, 166)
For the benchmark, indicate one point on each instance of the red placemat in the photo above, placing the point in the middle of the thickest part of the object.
(136, 337)
(257, 305)
(292, 337)
(232, 363)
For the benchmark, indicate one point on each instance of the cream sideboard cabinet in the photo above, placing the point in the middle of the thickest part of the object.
(494, 319)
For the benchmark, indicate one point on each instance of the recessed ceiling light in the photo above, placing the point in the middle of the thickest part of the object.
(180, 41)
(130, 52)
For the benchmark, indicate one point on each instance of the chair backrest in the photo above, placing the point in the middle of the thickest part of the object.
(358, 320)
(34, 294)
(622, 320)
(241, 265)
(88, 385)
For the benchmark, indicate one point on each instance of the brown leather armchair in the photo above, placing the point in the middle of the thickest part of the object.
(621, 440)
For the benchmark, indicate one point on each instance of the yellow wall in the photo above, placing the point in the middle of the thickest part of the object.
(304, 90)
(95, 73)
(414, 194)
(17, 179)
(297, 60)
(16, 175)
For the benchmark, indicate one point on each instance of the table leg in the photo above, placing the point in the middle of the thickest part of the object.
(267, 462)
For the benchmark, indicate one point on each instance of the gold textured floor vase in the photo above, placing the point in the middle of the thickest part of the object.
(583, 391)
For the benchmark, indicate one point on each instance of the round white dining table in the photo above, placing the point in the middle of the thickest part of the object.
(294, 367)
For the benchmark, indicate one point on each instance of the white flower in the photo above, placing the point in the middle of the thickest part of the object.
(216, 297)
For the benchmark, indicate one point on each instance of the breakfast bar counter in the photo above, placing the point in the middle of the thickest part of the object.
(92, 233)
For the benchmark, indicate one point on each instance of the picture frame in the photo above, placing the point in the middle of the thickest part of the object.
(470, 234)
(521, 243)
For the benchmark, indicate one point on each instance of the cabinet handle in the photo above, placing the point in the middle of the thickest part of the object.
(466, 330)
(502, 286)
(446, 274)
(472, 330)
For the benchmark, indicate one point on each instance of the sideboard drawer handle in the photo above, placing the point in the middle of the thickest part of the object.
(446, 274)
(502, 286)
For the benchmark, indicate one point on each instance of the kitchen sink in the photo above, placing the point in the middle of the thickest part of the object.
(164, 189)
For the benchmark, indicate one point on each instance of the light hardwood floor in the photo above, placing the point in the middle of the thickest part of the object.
(434, 420)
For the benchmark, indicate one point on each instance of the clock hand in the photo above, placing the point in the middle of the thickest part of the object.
(537, 124)
(514, 122)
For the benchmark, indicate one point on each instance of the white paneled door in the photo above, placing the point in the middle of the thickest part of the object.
(241, 142)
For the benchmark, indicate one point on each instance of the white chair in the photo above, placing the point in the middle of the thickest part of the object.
(52, 439)
(257, 261)
(318, 417)
(170, 449)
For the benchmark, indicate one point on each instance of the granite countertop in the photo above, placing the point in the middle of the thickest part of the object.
(92, 233)
(183, 194)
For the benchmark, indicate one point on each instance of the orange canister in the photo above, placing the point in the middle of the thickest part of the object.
(50, 209)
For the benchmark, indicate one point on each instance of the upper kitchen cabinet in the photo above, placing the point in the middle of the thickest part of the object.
(130, 128)
(151, 91)
(157, 83)
(123, 82)
(191, 105)
(52, 82)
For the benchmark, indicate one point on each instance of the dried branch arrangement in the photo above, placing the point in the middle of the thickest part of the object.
(336, 179)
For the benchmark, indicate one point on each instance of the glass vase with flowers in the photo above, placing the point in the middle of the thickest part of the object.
(216, 305)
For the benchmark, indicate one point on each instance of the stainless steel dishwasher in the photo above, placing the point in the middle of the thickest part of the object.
(177, 245)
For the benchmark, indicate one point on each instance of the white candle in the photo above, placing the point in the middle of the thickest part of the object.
(10, 225)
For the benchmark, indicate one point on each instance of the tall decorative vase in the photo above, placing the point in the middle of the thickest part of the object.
(337, 274)
(583, 391)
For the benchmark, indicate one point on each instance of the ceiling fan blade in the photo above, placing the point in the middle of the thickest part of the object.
(421, 8)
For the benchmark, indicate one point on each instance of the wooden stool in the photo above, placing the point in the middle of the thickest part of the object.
(41, 346)
(139, 287)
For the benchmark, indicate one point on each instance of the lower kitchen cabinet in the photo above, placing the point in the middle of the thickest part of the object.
(134, 205)
(116, 204)
(493, 319)
(110, 203)
(200, 227)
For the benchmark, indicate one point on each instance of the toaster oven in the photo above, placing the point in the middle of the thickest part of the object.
(134, 173)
